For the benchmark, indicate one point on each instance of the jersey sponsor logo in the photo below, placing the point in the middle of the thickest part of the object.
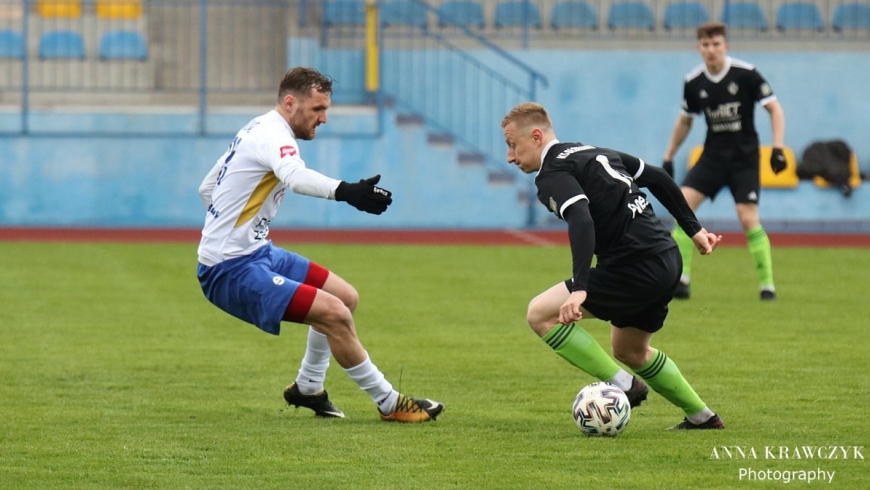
(725, 118)
(288, 150)
(726, 111)
(570, 151)
(732, 88)
(213, 211)
(638, 206)
(727, 127)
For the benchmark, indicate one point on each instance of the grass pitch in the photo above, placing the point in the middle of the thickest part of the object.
(117, 373)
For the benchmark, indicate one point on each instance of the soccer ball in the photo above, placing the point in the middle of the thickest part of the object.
(601, 409)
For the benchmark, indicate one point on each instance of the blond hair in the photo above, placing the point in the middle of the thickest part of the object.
(528, 114)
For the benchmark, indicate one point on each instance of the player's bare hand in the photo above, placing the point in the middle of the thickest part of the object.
(706, 242)
(570, 310)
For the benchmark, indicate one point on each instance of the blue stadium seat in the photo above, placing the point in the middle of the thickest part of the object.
(344, 12)
(744, 15)
(683, 15)
(631, 15)
(799, 15)
(574, 13)
(404, 12)
(517, 14)
(123, 45)
(61, 44)
(461, 13)
(851, 16)
(11, 44)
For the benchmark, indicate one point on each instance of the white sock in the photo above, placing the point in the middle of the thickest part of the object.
(700, 417)
(312, 373)
(622, 379)
(684, 279)
(373, 382)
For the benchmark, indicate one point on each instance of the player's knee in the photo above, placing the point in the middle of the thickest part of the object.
(335, 319)
(351, 299)
(537, 319)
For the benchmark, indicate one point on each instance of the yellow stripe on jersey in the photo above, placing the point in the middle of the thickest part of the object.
(258, 197)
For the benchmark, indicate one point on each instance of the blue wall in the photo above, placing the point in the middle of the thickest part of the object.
(622, 99)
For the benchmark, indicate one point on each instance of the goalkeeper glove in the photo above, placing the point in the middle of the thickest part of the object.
(364, 195)
(668, 166)
(777, 160)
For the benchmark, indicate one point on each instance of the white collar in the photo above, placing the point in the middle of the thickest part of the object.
(718, 78)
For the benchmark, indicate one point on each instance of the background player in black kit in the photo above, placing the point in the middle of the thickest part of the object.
(726, 90)
(595, 190)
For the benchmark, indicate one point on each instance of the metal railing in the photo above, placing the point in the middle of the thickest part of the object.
(199, 55)
(207, 55)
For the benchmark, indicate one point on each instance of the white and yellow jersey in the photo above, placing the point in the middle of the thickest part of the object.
(244, 189)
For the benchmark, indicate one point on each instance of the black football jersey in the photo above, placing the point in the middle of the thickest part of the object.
(728, 103)
(626, 228)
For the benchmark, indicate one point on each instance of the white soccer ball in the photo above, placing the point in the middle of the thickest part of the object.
(601, 409)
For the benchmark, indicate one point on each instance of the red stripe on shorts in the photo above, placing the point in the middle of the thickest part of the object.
(300, 304)
(316, 275)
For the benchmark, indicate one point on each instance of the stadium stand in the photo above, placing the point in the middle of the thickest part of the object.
(59, 8)
(633, 15)
(787, 179)
(62, 45)
(799, 15)
(683, 15)
(11, 44)
(574, 13)
(461, 13)
(517, 14)
(744, 15)
(404, 12)
(344, 12)
(851, 16)
(119, 9)
(123, 45)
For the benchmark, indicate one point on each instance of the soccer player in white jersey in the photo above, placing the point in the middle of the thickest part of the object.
(726, 90)
(245, 275)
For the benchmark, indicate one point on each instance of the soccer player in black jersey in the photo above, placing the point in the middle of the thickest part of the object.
(726, 90)
(595, 190)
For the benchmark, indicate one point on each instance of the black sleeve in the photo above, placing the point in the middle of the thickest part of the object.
(760, 88)
(663, 187)
(690, 103)
(581, 234)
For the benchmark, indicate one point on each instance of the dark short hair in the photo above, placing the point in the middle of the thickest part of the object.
(710, 29)
(300, 81)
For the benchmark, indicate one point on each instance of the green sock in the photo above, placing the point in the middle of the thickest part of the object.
(687, 248)
(759, 247)
(576, 346)
(662, 375)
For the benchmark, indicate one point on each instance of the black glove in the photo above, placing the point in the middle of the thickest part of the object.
(364, 195)
(668, 166)
(777, 160)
